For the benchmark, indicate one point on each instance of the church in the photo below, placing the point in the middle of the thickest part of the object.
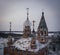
(28, 45)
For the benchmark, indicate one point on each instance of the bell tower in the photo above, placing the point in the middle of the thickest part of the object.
(42, 31)
(27, 26)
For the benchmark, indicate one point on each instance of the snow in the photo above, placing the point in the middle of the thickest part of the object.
(53, 52)
(3, 41)
(24, 44)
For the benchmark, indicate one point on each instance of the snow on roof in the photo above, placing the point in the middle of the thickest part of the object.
(24, 44)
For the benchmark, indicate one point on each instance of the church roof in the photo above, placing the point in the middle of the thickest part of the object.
(42, 23)
(24, 44)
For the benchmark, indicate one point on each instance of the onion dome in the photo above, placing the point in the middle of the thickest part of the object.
(27, 22)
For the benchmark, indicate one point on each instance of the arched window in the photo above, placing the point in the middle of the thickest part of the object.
(41, 32)
(45, 32)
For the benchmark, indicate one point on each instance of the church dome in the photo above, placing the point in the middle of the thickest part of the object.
(27, 23)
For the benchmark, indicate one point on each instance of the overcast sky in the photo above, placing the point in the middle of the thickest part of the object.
(15, 11)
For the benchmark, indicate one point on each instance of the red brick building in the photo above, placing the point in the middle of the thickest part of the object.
(27, 45)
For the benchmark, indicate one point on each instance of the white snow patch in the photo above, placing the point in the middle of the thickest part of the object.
(3, 41)
(24, 43)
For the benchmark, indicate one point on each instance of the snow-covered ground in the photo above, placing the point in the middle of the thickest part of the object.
(1, 46)
(54, 52)
(3, 41)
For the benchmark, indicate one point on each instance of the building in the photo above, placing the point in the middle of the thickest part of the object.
(27, 45)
